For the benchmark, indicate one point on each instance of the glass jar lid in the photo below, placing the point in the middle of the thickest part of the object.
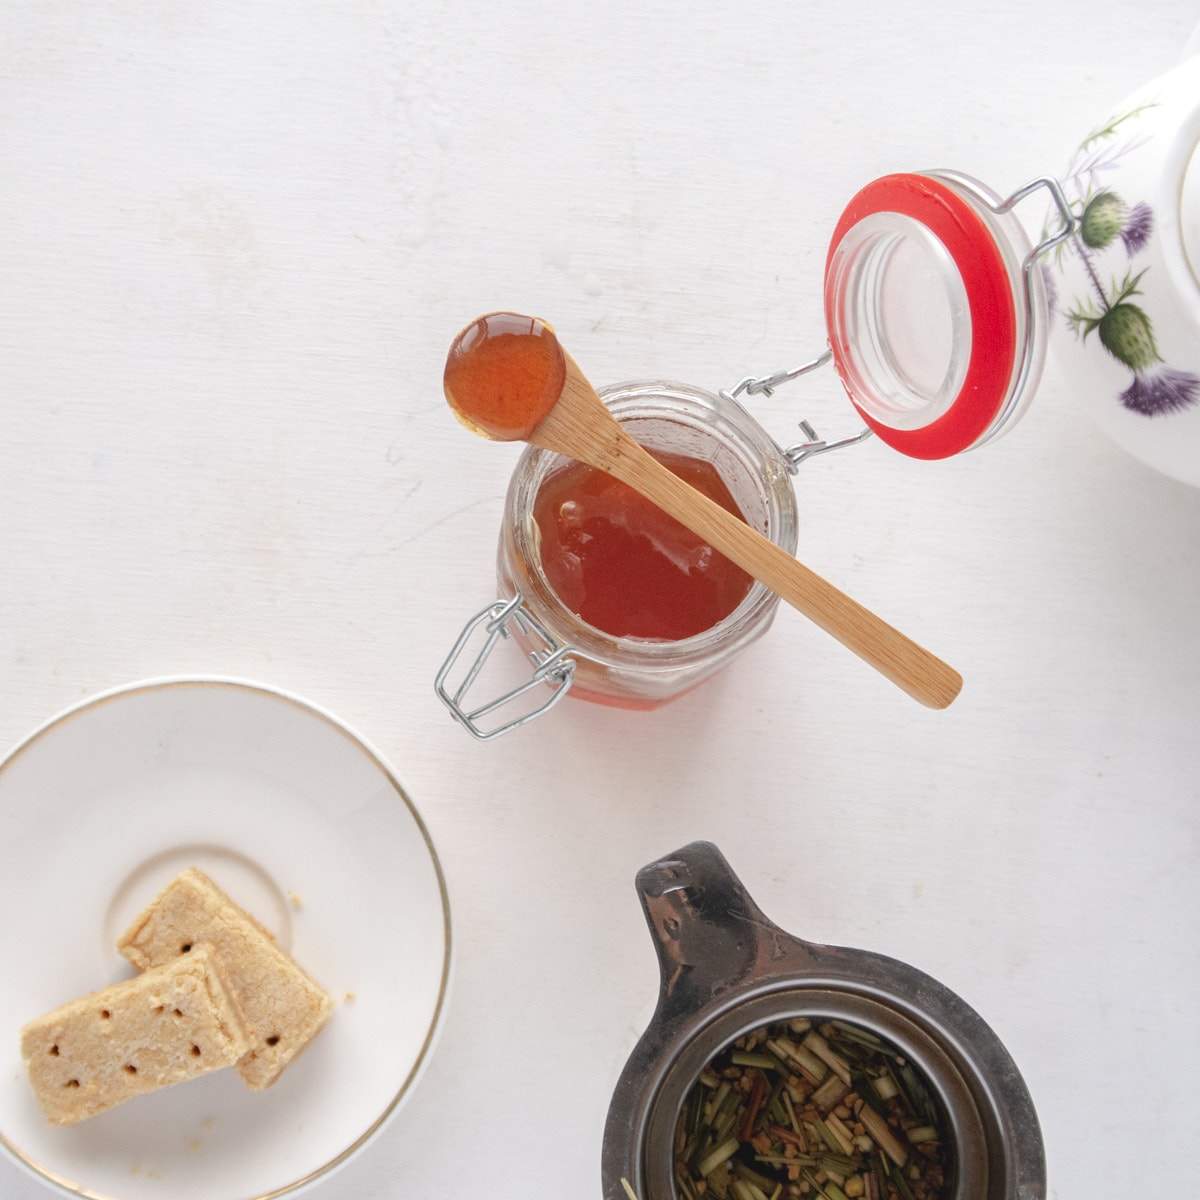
(935, 309)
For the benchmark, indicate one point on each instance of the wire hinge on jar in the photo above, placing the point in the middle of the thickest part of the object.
(864, 400)
(765, 386)
(552, 667)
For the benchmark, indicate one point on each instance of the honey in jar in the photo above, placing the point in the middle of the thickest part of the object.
(693, 621)
(623, 566)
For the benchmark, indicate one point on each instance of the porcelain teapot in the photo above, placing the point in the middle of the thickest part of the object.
(1125, 287)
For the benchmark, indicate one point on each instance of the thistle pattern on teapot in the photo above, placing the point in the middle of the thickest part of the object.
(1109, 225)
(1124, 289)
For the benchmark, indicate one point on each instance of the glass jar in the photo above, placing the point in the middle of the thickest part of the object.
(626, 672)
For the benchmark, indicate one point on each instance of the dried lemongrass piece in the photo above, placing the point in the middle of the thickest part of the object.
(727, 1149)
(878, 1128)
(842, 1135)
(830, 1093)
(810, 1064)
(821, 1048)
(921, 1133)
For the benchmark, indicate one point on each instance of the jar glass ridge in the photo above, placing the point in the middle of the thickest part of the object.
(644, 673)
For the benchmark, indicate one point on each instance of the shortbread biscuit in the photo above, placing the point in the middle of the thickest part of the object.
(167, 1025)
(283, 1005)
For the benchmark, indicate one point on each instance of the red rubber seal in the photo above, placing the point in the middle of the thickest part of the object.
(970, 244)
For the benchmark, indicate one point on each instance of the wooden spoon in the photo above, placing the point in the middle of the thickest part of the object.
(507, 378)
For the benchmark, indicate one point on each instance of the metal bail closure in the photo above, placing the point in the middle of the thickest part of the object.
(552, 668)
(936, 309)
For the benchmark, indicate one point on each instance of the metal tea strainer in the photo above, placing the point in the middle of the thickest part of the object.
(726, 970)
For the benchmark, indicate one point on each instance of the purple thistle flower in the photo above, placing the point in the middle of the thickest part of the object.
(1156, 393)
(1138, 227)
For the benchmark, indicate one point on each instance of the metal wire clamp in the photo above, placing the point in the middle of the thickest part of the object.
(552, 665)
(765, 385)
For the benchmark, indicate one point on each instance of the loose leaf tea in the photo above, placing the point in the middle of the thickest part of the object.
(815, 1108)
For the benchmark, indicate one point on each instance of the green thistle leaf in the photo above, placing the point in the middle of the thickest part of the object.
(1110, 129)
(1128, 286)
(1084, 318)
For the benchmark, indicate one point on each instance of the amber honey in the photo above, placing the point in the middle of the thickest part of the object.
(503, 374)
(623, 566)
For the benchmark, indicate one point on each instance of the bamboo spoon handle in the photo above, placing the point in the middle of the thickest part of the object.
(569, 429)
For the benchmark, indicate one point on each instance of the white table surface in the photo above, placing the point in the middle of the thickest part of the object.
(235, 240)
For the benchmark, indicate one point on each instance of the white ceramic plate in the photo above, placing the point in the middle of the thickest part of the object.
(306, 827)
